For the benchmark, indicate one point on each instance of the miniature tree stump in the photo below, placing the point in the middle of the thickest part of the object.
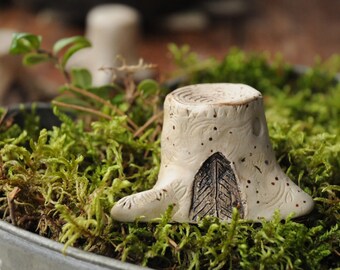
(216, 155)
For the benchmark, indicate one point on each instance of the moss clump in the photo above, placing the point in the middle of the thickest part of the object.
(61, 183)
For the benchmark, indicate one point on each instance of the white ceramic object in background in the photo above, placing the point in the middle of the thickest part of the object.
(216, 155)
(113, 30)
(9, 66)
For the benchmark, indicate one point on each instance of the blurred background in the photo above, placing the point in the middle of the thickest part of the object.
(299, 30)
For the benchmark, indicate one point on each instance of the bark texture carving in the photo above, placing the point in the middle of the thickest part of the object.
(215, 190)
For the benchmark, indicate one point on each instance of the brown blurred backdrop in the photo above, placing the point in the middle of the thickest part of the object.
(300, 30)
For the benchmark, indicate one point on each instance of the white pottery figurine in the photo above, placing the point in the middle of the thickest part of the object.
(216, 155)
(113, 30)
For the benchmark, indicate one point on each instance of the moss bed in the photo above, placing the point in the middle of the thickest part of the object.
(61, 183)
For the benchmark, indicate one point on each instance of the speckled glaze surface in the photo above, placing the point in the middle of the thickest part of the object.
(216, 155)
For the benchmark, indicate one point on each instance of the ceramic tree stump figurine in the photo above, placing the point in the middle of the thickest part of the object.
(216, 155)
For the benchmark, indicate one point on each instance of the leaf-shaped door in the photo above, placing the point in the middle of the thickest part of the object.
(215, 190)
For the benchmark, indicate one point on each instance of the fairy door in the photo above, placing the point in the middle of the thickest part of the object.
(215, 190)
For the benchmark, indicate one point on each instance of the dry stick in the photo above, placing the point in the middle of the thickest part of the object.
(2, 174)
(85, 109)
(173, 244)
(130, 88)
(148, 123)
(103, 101)
(11, 206)
(3, 116)
(81, 108)
(157, 130)
(11, 211)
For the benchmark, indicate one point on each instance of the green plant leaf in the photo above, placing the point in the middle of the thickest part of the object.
(81, 77)
(331, 188)
(72, 50)
(63, 43)
(35, 58)
(148, 87)
(74, 43)
(24, 43)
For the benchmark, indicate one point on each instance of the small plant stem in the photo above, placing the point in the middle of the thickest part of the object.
(57, 63)
(66, 75)
(81, 108)
(103, 101)
(130, 88)
(11, 211)
(173, 244)
(1, 169)
(157, 130)
(3, 116)
(147, 124)
(11, 206)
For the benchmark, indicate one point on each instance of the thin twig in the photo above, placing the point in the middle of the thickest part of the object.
(147, 124)
(81, 108)
(103, 101)
(130, 87)
(129, 71)
(11, 206)
(173, 244)
(129, 68)
(157, 130)
(3, 116)
(2, 175)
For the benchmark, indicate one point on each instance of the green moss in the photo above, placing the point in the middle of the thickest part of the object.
(70, 177)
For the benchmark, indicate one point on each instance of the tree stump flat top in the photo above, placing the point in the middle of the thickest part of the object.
(218, 94)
